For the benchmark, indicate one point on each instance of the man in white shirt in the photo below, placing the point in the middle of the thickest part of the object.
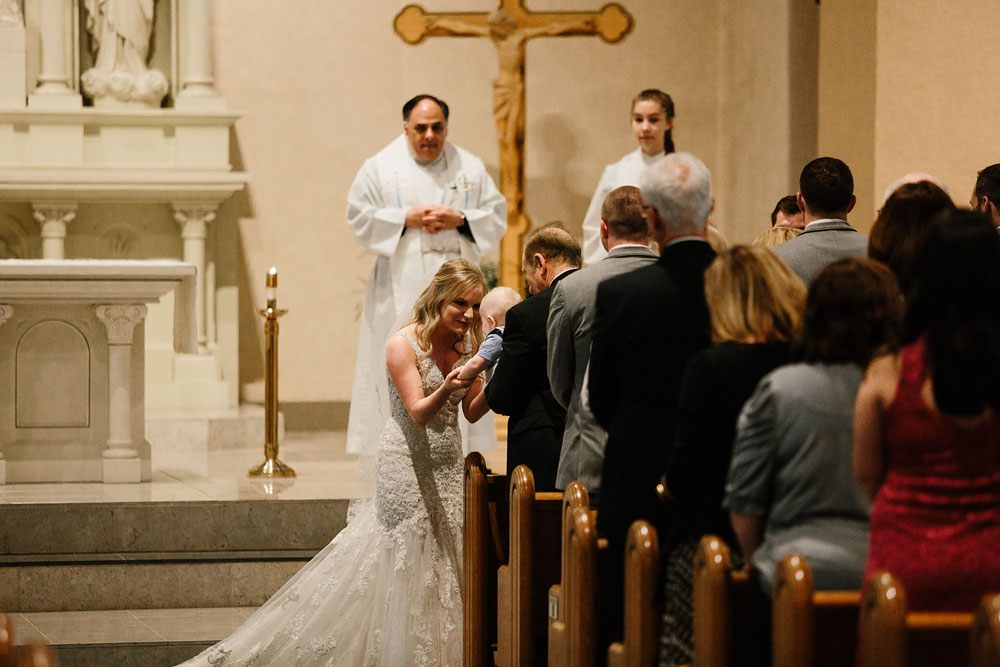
(417, 203)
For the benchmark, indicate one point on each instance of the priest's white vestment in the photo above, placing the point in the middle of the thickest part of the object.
(624, 172)
(386, 187)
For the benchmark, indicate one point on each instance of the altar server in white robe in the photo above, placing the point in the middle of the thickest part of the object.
(417, 203)
(652, 122)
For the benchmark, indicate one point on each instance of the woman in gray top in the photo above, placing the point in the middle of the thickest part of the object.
(791, 484)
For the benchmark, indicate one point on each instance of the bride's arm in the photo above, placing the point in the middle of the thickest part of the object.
(401, 361)
(474, 402)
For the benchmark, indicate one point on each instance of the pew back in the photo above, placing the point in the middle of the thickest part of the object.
(532, 566)
(723, 607)
(575, 495)
(985, 646)
(642, 614)
(809, 627)
(891, 637)
(484, 550)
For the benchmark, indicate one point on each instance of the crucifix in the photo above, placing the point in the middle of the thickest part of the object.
(510, 26)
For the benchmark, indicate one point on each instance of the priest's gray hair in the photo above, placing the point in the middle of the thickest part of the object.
(679, 187)
(417, 99)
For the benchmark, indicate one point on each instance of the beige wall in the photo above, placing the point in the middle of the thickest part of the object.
(888, 85)
(320, 88)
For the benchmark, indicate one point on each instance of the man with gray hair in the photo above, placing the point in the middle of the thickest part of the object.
(647, 324)
(625, 237)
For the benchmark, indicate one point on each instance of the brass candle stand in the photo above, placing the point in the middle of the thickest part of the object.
(271, 467)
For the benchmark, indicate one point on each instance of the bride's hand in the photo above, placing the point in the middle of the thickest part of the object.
(452, 382)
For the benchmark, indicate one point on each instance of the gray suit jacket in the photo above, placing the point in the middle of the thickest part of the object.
(570, 328)
(821, 244)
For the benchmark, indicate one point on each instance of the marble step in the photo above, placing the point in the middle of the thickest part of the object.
(38, 529)
(137, 638)
(114, 556)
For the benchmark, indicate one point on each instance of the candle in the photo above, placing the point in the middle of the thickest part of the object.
(272, 286)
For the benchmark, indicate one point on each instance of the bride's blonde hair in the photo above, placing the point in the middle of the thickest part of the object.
(455, 278)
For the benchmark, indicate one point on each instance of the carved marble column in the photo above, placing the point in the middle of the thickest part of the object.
(196, 56)
(53, 219)
(194, 222)
(121, 458)
(55, 17)
(6, 312)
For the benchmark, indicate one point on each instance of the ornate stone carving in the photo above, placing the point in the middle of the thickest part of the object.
(119, 34)
(10, 12)
(53, 219)
(122, 243)
(6, 312)
(194, 220)
(120, 321)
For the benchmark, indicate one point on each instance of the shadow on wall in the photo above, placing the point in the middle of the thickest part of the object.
(564, 197)
(240, 207)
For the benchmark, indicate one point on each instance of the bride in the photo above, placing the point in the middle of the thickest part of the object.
(385, 591)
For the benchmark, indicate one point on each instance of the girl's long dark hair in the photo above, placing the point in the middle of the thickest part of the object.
(954, 302)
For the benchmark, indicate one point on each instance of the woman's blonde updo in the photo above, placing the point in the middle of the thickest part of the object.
(455, 278)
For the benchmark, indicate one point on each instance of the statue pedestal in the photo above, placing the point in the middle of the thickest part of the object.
(12, 66)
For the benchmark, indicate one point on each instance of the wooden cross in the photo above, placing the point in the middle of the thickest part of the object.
(510, 26)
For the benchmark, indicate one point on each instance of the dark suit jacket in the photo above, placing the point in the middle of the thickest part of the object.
(520, 389)
(648, 324)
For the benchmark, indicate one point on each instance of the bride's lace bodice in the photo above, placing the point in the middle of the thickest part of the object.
(386, 590)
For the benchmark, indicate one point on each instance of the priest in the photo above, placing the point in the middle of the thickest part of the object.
(417, 203)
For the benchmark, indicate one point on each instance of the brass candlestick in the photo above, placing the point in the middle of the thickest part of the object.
(271, 467)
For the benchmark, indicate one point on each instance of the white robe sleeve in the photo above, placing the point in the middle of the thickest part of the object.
(593, 251)
(488, 221)
(376, 227)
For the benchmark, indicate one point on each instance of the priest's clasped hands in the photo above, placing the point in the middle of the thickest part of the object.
(433, 218)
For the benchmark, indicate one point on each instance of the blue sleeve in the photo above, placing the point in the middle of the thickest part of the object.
(491, 348)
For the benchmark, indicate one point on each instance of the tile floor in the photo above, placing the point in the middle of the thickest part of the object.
(324, 471)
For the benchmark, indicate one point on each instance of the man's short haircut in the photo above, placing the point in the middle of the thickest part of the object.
(827, 186)
(988, 184)
(555, 244)
(414, 101)
(679, 187)
(624, 213)
(787, 205)
(499, 300)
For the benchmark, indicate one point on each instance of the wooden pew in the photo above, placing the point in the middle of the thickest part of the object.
(573, 602)
(985, 646)
(893, 637)
(575, 495)
(809, 627)
(642, 614)
(484, 550)
(723, 605)
(532, 566)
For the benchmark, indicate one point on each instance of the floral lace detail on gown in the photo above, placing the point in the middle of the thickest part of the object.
(385, 591)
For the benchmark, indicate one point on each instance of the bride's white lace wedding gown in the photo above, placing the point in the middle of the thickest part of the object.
(385, 591)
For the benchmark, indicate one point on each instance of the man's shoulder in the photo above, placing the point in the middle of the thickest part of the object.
(631, 283)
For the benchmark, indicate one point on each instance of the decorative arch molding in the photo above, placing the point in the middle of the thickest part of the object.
(52, 377)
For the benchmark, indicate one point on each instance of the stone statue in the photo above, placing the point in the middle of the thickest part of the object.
(119, 32)
(10, 12)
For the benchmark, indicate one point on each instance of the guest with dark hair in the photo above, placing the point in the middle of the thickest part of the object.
(791, 485)
(986, 194)
(755, 306)
(927, 425)
(786, 213)
(902, 224)
(826, 196)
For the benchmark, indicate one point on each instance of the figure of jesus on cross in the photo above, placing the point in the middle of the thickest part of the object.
(509, 27)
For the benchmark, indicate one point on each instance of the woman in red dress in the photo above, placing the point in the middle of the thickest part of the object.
(927, 425)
